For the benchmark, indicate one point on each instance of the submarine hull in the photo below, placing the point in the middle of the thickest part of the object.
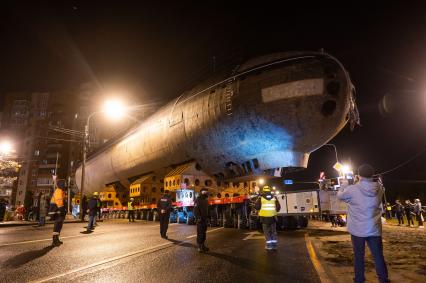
(271, 113)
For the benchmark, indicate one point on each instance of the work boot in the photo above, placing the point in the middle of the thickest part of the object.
(205, 249)
(56, 242)
(200, 248)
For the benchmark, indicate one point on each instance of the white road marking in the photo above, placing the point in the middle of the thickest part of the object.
(212, 230)
(254, 236)
(65, 237)
(116, 258)
(50, 239)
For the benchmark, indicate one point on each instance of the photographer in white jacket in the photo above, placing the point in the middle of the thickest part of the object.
(364, 201)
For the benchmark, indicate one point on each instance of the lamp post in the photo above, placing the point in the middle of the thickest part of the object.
(335, 150)
(111, 107)
(83, 166)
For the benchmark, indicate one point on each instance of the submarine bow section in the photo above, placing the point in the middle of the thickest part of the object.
(271, 113)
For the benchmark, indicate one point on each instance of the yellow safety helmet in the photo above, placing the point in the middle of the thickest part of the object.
(132, 199)
(95, 194)
(266, 189)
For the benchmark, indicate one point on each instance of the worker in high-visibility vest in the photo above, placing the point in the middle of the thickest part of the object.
(57, 211)
(131, 210)
(268, 206)
(388, 211)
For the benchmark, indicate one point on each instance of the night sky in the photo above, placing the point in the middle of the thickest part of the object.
(155, 51)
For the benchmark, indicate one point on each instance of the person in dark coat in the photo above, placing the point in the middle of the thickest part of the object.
(2, 209)
(164, 206)
(201, 212)
(92, 210)
(408, 209)
(399, 212)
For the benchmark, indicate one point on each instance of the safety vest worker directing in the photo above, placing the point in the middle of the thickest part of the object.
(131, 211)
(268, 206)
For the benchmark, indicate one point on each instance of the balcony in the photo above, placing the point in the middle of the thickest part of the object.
(44, 182)
(52, 155)
(48, 166)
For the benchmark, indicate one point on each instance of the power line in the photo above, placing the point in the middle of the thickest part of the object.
(403, 163)
(49, 138)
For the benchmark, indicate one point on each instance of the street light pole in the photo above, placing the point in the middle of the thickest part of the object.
(83, 166)
(335, 150)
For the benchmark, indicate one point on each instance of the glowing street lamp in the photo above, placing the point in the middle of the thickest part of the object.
(6, 148)
(261, 181)
(114, 109)
(346, 169)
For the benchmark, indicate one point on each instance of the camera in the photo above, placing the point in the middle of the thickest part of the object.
(350, 178)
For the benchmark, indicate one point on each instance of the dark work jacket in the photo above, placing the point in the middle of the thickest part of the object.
(93, 206)
(258, 206)
(399, 209)
(165, 202)
(201, 208)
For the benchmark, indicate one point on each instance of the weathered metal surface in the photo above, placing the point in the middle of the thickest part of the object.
(272, 113)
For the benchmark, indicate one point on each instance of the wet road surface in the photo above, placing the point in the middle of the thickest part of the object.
(122, 252)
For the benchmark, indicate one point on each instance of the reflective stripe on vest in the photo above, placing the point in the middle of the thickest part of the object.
(129, 206)
(268, 208)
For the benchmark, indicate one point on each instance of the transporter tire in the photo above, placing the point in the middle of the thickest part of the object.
(302, 221)
(227, 218)
(280, 225)
(150, 215)
(289, 223)
(242, 221)
(253, 225)
(235, 220)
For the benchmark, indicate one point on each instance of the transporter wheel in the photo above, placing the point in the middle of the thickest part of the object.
(242, 221)
(144, 214)
(280, 223)
(302, 221)
(190, 220)
(227, 219)
(235, 220)
(213, 221)
(150, 215)
(289, 223)
(253, 223)
(173, 217)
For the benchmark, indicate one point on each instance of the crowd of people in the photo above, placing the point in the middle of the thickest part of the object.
(406, 212)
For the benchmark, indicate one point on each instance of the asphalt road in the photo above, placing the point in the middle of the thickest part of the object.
(122, 252)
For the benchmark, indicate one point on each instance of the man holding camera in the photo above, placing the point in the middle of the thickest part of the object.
(364, 201)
